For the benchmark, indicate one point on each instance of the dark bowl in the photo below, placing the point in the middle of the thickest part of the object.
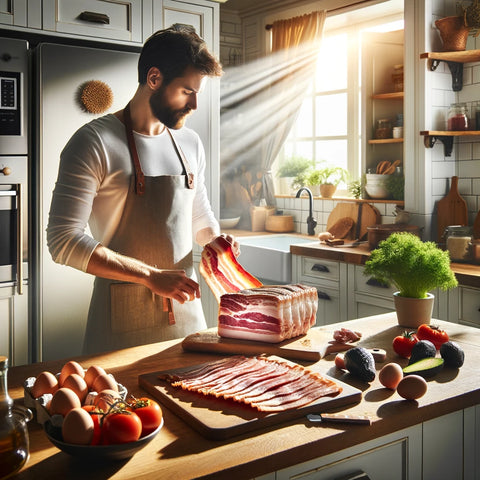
(98, 452)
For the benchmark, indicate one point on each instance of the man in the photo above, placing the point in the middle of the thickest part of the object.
(140, 187)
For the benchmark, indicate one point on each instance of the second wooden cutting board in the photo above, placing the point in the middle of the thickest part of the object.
(313, 346)
(451, 210)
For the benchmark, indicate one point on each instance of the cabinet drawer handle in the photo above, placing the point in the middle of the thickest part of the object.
(323, 295)
(373, 282)
(318, 267)
(354, 476)
(95, 17)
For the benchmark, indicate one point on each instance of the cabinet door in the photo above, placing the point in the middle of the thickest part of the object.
(399, 454)
(204, 16)
(14, 325)
(469, 306)
(13, 12)
(112, 19)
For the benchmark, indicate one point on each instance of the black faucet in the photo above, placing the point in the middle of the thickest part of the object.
(311, 222)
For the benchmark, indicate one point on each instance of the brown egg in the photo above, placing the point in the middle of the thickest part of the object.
(45, 382)
(78, 427)
(104, 382)
(412, 387)
(76, 383)
(69, 368)
(92, 373)
(390, 375)
(63, 401)
(105, 399)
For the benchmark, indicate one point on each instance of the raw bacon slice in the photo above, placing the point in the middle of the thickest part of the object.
(265, 384)
(268, 313)
(222, 272)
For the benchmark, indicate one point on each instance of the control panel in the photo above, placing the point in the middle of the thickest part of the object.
(10, 101)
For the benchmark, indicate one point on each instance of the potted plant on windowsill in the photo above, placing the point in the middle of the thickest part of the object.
(327, 179)
(294, 171)
(415, 268)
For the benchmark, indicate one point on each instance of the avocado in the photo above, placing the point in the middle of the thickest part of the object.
(360, 362)
(453, 355)
(426, 367)
(422, 349)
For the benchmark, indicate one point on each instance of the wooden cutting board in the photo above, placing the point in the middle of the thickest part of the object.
(369, 216)
(311, 347)
(451, 210)
(218, 419)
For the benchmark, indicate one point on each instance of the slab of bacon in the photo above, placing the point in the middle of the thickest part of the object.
(268, 313)
(222, 272)
(265, 384)
(249, 310)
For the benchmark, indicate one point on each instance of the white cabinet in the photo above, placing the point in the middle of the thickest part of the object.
(444, 447)
(328, 277)
(469, 301)
(14, 324)
(13, 12)
(101, 19)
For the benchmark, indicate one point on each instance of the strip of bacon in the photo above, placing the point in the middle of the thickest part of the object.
(222, 272)
(265, 384)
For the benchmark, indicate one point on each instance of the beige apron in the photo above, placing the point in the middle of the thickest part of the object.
(156, 228)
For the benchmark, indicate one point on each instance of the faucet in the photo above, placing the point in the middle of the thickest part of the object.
(311, 222)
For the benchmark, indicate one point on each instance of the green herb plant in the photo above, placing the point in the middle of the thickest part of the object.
(414, 267)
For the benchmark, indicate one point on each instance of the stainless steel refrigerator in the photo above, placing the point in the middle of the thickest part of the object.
(61, 295)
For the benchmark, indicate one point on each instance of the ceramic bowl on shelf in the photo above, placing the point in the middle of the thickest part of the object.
(377, 191)
(98, 452)
(229, 222)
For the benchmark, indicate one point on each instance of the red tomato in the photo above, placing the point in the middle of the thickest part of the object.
(433, 333)
(121, 427)
(149, 412)
(97, 429)
(404, 343)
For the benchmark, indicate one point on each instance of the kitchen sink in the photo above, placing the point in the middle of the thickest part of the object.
(268, 257)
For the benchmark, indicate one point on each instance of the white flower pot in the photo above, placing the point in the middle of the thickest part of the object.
(413, 312)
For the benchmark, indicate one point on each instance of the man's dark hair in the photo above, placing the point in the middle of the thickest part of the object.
(173, 50)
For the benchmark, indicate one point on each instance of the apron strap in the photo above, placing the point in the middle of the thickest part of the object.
(183, 159)
(139, 176)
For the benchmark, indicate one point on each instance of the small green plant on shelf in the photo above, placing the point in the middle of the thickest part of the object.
(296, 167)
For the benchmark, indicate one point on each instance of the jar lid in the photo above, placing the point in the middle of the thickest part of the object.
(459, 230)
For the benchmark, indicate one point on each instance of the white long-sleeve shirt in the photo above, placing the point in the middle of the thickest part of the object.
(93, 180)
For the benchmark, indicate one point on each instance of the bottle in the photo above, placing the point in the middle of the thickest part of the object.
(458, 117)
(14, 441)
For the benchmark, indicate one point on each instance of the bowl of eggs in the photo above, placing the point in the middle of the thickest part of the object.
(119, 451)
(86, 413)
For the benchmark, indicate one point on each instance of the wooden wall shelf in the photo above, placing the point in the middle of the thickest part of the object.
(455, 61)
(385, 140)
(446, 137)
(388, 96)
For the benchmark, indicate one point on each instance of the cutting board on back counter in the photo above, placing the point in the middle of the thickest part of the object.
(312, 346)
(363, 214)
(451, 210)
(219, 419)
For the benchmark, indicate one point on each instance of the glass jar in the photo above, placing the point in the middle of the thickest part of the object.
(14, 441)
(458, 240)
(383, 129)
(458, 117)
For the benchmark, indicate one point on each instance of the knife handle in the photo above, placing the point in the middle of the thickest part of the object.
(340, 418)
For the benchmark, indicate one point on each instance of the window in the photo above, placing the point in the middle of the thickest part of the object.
(328, 126)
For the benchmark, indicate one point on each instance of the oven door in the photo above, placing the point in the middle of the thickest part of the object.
(13, 221)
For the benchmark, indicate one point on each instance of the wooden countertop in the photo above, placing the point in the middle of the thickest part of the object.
(178, 452)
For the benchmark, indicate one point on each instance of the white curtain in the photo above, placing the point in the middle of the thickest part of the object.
(260, 102)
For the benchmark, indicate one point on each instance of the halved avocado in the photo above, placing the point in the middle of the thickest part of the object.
(427, 367)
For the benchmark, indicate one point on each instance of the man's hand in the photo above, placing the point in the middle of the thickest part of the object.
(173, 284)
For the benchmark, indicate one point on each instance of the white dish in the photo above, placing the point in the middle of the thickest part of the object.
(229, 222)
(376, 191)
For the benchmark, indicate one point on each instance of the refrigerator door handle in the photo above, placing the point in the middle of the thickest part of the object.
(19, 190)
(95, 17)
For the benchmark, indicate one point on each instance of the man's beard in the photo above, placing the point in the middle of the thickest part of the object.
(174, 119)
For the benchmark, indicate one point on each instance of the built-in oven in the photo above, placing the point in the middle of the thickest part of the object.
(13, 221)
